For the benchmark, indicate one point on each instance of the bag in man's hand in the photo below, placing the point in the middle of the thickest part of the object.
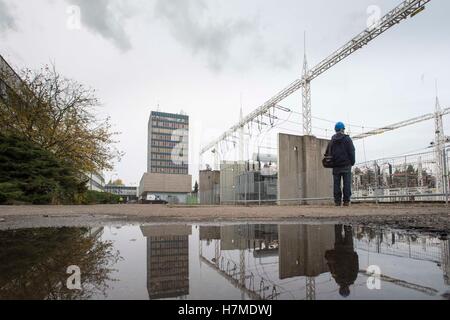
(328, 161)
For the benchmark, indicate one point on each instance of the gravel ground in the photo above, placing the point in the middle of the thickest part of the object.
(429, 218)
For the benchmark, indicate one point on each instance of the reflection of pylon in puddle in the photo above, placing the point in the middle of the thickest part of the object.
(310, 288)
(445, 250)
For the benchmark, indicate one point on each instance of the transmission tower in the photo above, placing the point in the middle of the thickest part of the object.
(406, 9)
(306, 96)
(439, 144)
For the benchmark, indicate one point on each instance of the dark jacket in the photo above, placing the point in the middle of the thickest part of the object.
(342, 150)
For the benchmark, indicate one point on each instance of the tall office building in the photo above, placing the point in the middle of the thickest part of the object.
(167, 176)
(168, 143)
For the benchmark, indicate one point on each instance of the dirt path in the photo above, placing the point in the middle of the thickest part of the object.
(224, 212)
(434, 218)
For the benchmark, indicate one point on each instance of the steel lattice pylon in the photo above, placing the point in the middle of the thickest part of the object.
(403, 11)
(306, 98)
(307, 116)
(439, 148)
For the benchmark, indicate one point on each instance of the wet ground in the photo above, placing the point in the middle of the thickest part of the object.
(433, 218)
(119, 259)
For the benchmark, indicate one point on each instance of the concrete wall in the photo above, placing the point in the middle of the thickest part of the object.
(209, 187)
(300, 170)
(302, 249)
(169, 183)
(229, 171)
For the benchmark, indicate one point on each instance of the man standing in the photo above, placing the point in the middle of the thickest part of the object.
(343, 153)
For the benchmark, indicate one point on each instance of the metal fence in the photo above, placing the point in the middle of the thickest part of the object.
(413, 246)
(412, 177)
(251, 192)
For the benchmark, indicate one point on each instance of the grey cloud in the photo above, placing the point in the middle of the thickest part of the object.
(7, 21)
(190, 25)
(196, 27)
(106, 18)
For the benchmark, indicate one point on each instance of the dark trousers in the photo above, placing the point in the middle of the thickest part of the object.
(346, 178)
(343, 241)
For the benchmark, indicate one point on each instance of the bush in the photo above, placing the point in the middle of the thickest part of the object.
(95, 197)
(30, 174)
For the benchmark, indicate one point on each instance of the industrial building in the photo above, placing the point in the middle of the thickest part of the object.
(128, 193)
(167, 178)
(96, 182)
(295, 174)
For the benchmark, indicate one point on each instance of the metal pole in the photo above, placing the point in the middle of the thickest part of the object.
(446, 180)
(377, 185)
(259, 191)
(246, 188)
(406, 178)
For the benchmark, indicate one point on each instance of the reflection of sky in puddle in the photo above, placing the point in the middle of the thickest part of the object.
(205, 262)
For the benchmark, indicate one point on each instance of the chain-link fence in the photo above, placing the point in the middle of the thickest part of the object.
(415, 177)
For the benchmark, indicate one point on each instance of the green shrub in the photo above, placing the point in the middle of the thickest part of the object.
(30, 174)
(95, 197)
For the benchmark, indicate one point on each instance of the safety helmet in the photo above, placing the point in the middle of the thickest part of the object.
(339, 126)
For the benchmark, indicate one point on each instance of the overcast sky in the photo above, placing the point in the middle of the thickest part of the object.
(202, 56)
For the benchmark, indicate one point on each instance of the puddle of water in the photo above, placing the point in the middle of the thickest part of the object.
(232, 262)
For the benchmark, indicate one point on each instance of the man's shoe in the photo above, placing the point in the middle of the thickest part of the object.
(346, 204)
(337, 204)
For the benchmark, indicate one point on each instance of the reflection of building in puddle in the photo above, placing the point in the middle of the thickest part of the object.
(167, 261)
(445, 249)
(244, 237)
(303, 248)
(208, 233)
(299, 250)
(407, 245)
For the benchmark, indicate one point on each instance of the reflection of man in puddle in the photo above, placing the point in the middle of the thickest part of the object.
(343, 260)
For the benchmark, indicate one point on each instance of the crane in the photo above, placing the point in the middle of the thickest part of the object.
(408, 8)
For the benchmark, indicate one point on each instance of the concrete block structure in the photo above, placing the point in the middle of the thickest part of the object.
(302, 249)
(229, 171)
(300, 171)
(209, 187)
(172, 188)
(208, 233)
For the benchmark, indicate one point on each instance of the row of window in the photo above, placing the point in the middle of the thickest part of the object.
(167, 157)
(170, 119)
(170, 170)
(165, 150)
(174, 138)
(168, 164)
(169, 144)
(163, 131)
(165, 124)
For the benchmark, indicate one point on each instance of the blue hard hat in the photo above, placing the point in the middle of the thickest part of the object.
(339, 126)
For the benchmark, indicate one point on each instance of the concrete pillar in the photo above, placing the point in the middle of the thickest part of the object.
(300, 170)
(208, 187)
